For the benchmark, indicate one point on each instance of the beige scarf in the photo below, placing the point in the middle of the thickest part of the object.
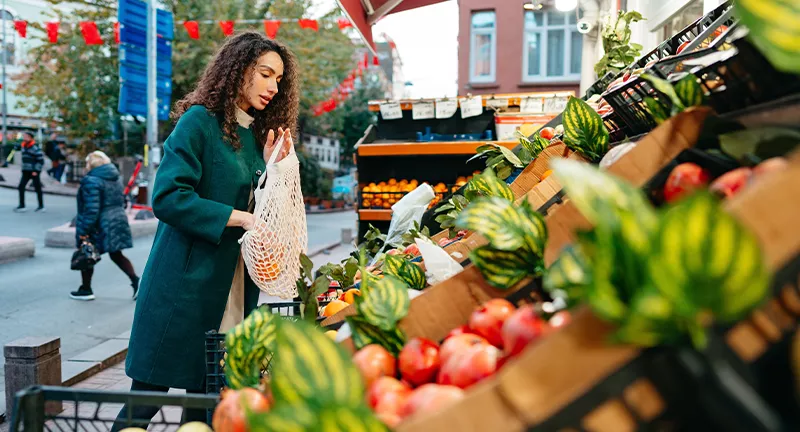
(234, 310)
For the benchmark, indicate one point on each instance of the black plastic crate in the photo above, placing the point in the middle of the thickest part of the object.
(617, 129)
(715, 164)
(601, 85)
(628, 103)
(93, 410)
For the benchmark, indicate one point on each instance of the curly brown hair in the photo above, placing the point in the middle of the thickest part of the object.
(229, 72)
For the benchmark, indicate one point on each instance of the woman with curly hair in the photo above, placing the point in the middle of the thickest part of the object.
(226, 129)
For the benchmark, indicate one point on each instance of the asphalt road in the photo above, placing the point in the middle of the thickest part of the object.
(34, 292)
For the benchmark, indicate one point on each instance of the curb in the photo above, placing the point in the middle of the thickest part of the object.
(324, 248)
(16, 248)
(44, 190)
(63, 236)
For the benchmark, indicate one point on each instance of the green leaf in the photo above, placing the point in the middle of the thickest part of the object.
(659, 113)
(510, 156)
(307, 265)
(406, 271)
(248, 344)
(666, 88)
(600, 196)
(320, 286)
(569, 273)
(493, 161)
(763, 143)
(384, 303)
(584, 130)
(311, 369)
(365, 334)
(689, 91)
(502, 269)
(504, 172)
(774, 29)
(488, 185)
(495, 218)
(704, 261)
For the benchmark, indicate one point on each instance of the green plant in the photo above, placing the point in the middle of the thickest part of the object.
(619, 51)
(343, 273)
(415, 233)
(402, 268)
(447, 213)
(500, 159)
(309, 288)
(584, 131)
(531, 148)
(658, 275)
(774, 30)
(684, 94)
(373, 243)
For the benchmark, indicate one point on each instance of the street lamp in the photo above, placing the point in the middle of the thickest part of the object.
(566, 5)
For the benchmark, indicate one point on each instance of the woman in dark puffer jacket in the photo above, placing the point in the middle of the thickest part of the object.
(102, 219)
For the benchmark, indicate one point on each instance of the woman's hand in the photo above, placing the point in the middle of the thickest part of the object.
(272, 144)
(242, 219)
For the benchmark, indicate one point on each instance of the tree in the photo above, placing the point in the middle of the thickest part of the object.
(89, 109)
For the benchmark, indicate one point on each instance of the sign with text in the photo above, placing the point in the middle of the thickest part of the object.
(422, 110)
(471, 107)
(391, 111)
(446, 108)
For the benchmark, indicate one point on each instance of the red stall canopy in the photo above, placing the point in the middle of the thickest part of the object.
(364, 13)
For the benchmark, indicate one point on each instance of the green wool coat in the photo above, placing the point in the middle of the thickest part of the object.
(187, 279)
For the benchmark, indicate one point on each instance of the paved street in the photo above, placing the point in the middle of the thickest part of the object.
(34, 292)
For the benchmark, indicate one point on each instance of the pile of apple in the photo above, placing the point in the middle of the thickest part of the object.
(689, 177)
(433, 376)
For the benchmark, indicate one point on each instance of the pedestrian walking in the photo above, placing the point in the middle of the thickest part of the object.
(102, 220)
(226, 131)
(59, 158)
(52, 152)
(32, 163)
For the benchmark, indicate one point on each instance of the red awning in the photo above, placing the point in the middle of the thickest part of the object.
(364, 13)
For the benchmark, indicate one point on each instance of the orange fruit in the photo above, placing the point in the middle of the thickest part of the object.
(366, 203)
(333, 307)
(392, 181)
(546, 174)
(349, 296)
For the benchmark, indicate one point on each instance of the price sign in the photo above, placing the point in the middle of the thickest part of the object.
(531, 105)
(391, 111)
(422, 110)
(446, 108)
(555, 104)
(471, 107)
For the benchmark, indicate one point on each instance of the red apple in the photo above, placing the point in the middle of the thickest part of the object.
(383, 386)
(547, 133)
(732, 182)
(419, 361)
(684, 179)
(374, 361)
(488, 320)
(457, 344)
(411, 249)
(467, 367)
(522, 328)
(431, 398)
(444, 242)
(769, 166)
(393, 252)
(560, 319)
(458, 331)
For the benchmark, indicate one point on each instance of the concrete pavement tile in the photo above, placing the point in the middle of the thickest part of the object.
(126, 335)
(73, 372)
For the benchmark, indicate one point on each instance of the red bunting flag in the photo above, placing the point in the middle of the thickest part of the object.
(271, 28)
(227, 27)
(317, 109)
(116, 32)
(329, 105)
(364, 63)
(375, 61)
(193, 29)
(22, 28)
(309, 24)
(344, 23)
(52, 31)
(90, 33)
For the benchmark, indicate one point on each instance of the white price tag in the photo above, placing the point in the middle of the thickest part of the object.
(422, 110)
(555, 104)
(446, 108)
(532, 105)
(501, 103)
(471, 107)
(391, 111)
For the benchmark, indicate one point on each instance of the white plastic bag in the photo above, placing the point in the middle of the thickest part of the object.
(405, 212)
(271, 251)
(439, 264)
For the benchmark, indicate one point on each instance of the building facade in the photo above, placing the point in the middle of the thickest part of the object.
(505, 48)
(325, 149)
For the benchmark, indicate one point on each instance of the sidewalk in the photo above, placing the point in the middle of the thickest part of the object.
(13, 174)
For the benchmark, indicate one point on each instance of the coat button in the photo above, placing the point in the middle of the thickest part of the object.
(258, 172)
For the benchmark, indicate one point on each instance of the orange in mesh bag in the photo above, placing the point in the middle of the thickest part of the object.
(271, 250)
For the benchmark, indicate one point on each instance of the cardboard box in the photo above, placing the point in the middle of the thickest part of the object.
(507, 124)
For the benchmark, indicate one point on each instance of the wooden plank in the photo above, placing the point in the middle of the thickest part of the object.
(374, 215)
(429, 148)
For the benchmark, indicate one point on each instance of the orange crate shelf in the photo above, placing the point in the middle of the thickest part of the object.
(428, 148)
(368, 215)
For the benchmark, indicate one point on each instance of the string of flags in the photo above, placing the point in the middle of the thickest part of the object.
(345, 88)
(91, 33)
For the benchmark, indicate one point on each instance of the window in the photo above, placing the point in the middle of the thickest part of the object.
(552, 47)
(483, 47)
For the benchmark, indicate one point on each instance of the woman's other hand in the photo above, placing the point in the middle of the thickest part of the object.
(242, 219)
(272, 144)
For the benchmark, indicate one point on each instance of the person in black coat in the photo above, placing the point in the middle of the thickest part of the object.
(102, 220)
(32, 163)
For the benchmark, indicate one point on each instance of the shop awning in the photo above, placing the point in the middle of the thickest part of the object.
(365, 13)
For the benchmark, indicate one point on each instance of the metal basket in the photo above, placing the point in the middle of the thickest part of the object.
(36, 409)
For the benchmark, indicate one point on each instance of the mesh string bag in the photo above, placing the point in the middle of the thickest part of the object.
(271, 250)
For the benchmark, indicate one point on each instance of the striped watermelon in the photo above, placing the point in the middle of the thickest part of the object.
(403, 269)
(248, 346)
(384, 303)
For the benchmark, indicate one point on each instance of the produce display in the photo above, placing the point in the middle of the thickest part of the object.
(384, 195)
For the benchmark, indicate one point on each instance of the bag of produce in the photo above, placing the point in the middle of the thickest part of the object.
(271, 250)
